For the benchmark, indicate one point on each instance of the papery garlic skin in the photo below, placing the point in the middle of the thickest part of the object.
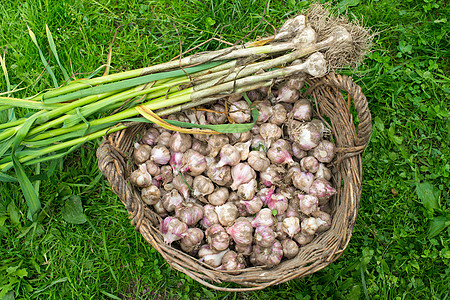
(305, 134)
(150, 136)
(210, 256)
(192, 240)
(202, 186)
(218, 116)
(189, 213)
(243, 249)
(253, 206)
(291, 226)
(269, 257)
(240, 112)
(244, 149)
(309, 226)
(151, 195)
(264, 236)
(270, 133)
(217, 238)
(308, 204)
(160, 210)
(241, 231)
(193, 163)
(216, 142)
(241, 173)
(302, 110)
(278, 203)
(303, 238)
(297, 151)
(247, 191)
(140, 177)
(180, 142)
(324, 152)
(172, 229)
(265, 111)
(309, 164)
(323, 220)
(141, 153)
(164, 139)
(258, 161)
(279, 115)
(229, 155)
(160, 155)
(303, 181)
(263, 218)
(183, 185)
(290, 248)
(322, 189)
(219, 196)
(171, 200)
(209, 216)
(232, 261)
(227, 213)
(273, 175)
(219, 175)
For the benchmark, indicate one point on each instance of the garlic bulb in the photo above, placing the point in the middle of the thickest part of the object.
(171, 200)
(243, 249)
(172, 229)
(193, 162)
(297, 151)
(217, 115)
(270, 133)
(279, 115)
(291, 226)
(269, 257)
(176, 162)
(293, 169)
(229, 155)
(160, 155)
(265, 111)
(287, 94)
(150, 136)
(239, 137)
(210, 256)
(240, 112)
(278, 202)
(253, 206)
(273, 175)
(200, 146)
(258, 160)
(241, 173)
(181, 185)
(189, 213)
(246, 191)
(227, 213)
(324, 152)
(141, 153)
(219, 175)
(279, 153)
(309, 225)
(192, 240)
(265, 194)
(165, 174)
(164, 139)
(259, 144)
(232, 261)
(202, 186)
(151, 195)
(309, 164)
(241, 231)
(152, 168)
(218, 196)
(303, 238)
(140, 177)
(305, 134)
(216, 142)
(323, 172)
(217, 238)
(209, 216)
(308, 204)
(290, 248)
(323, 220)
(322, 189)
(302, 110)
(263, 218)
(303, 181)
(160, 210)
(180, 142)
(264, 236)
(243, 148)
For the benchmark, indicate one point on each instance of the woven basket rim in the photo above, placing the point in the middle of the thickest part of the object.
(325, 249)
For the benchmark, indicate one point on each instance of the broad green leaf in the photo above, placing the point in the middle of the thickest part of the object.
(345, 4)
(437, 225)
(72, 211)
(7, 178)
(427, 194)
(13, 213)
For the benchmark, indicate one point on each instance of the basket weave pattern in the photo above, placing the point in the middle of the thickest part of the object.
(333, 96)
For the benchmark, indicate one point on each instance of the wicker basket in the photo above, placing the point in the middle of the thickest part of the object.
(332, 95)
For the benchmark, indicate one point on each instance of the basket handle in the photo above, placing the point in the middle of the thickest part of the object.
(347, 84)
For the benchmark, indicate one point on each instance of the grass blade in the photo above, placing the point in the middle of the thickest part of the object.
(51, 42)
(7, 178)
(44, 61)
(5, 71)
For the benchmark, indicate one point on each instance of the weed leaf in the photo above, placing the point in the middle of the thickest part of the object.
(425, 192)
(51, 42)
(437, 225)
(72, 211)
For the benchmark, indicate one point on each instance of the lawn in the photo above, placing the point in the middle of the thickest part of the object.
(400, 248)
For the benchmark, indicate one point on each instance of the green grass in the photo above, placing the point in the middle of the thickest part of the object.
(392, 254)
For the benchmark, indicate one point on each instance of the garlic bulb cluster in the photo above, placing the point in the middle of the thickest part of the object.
(240, 199)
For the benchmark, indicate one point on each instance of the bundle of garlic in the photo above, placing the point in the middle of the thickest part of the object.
(240, 199)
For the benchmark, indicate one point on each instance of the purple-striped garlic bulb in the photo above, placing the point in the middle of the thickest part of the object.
(209, 216)
(141, 153)
(258, 161)
(151, 195)
(303, 181)
(241, 173)
(158, 207)
(279, 153)
(309, 164)
(202, 186)
(241, 231)
(210, 256)
(323, 172)
(270, 256)
(309, 225)
(324, 152)
(152, 168)
(216, 142)
(305, 134)
(288, 94)
(273, 175)
(278, 202)
(150, 136)
(180, 142)
(265, 111)
(171, 200)
(227, 213)
(219, 196)
(265, 194)
(232, 261)
(193, 162)
(165, 175)
(164, 139)
(172, 229)
(192, 240)
(244, 149)
(229, 156)
(140, 177)
(302, 110)
(246, 191)
(297, 151)
(176, 162)
(217, 237)
(181, 185)
(322, 189)
(308, 203)
(189, 213)
(291, 226)
(253, 206)
(290, 248)
(219, 175)
(160, 155)
(279, 115)
(263, 218)
(264, 236)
